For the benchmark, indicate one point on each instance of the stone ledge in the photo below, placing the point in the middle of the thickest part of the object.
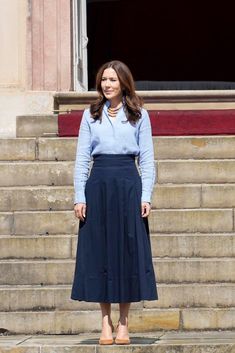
(157, 342)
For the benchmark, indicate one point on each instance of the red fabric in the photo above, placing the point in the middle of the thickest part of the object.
(168, 122)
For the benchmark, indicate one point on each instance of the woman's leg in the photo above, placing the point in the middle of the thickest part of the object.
(122, 332)
(106, 320)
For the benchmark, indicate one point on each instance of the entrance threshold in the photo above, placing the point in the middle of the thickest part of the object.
(164, 100)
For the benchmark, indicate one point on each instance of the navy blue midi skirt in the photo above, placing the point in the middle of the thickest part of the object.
(114, 259)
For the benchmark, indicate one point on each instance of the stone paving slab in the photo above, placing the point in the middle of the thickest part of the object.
(157, 342)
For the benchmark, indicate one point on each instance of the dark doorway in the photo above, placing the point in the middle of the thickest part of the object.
(167, 44)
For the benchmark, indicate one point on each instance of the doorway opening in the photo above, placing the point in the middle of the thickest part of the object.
(167, 45)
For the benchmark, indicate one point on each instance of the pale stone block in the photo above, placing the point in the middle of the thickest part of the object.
(38, 173)
(74, 245)
(91, 348)
(207, 171)
(12, 247)
(176, 196)
(186, 295)
(201, 270)
(57, 297)
(59, 149)
(152, 320)
(31, 198)
(177, 245)
(71, 322)
(202, 319)
(36, 272)
(19, 349)
(36, 125)
(200, 220)
(196, 147)
(6, 223)
(54, 222)
(222, 195)
(17, 149)
(70, 348)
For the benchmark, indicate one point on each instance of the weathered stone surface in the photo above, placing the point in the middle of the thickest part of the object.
(208, 319)
(166, 271)
(6, 223)
(151, 320)
(64, 322)
(176, 196)
(36, 173)
(54, 222)
(74, 245)
(200, 147)
(36, 272)
(41, 298)
(184, 295)
(89, 348)
(61, 149)
(17, 349)
(194, 270)
(222, 195)
(141, 342)
(32, 198)
(36, 125)
(206, 171)
(17, 149)
(200, 220)
(28, 247)
(190, 245)
(57, 297)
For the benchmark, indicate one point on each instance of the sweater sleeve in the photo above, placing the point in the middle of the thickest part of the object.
(146, 157)
(83, 158)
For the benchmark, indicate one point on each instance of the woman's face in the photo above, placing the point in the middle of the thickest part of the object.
(110, 84)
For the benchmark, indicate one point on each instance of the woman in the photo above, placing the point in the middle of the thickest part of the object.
(114, 260)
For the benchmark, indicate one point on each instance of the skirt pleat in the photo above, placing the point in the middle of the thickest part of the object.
(114, 259)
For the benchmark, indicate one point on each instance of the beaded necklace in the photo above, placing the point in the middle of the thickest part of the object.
(112, 112)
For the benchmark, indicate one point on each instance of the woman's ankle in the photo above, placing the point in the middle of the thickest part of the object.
(123, 320)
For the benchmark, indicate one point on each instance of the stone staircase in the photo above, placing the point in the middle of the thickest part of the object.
(192, 233)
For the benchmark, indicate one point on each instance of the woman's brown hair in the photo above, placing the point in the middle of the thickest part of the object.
(131, 102)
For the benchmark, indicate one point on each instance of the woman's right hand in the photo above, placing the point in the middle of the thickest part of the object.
(80, 211)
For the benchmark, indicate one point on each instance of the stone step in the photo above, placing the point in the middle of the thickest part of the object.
(180, 147)
(167, 270)
(57, 297)
(165, 147)
(191, 245)
(160, 221)
(168, 171)
(36, 125)
(192, 220)
(36, 247)
(141, 342)
(163, 245)
(40, 223)
(67, 322)
(194, 147)
(36, 173)
(61, 173)
(12, 149)
(36, 198)
(144, 320)
(193, 195)
(194, 171)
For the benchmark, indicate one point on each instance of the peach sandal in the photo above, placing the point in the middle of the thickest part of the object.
(105, 341)
(122, 340)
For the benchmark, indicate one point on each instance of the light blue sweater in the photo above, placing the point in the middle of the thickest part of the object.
(115, 137)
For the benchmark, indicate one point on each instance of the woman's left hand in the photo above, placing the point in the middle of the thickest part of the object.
(146, 207)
